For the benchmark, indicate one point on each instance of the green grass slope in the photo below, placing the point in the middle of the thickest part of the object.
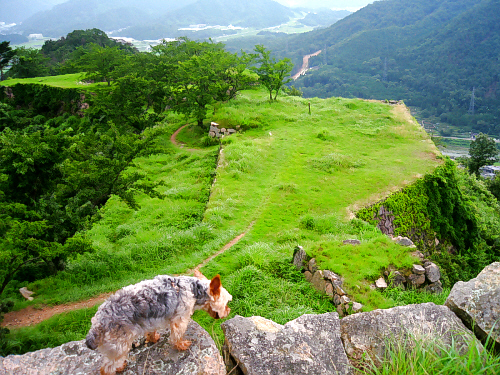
(291, 178)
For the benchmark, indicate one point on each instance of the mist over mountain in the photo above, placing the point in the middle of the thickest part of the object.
(15, 11)
(153, 19)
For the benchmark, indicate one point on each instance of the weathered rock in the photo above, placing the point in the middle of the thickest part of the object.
(336, 300)
(397, 280)
(339, 290)
(309, 344)
(370, 331)
(380, 283)
(329, 290)
(436, 287)
(351, 242)
(299, 257)
(211, 134)
(418, 254)
(356, 307)
(403, 241)
(318, 281)
(74, 358)
(418, 269)
(312, 266)
(416, 280)
(432, 272)
(308, 275)
(223, 130)
(231, 131)
(333, 277)
(477, 302)
(344, 300)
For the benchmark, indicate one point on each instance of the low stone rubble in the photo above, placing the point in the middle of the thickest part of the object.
(326, 281)
(215, 132)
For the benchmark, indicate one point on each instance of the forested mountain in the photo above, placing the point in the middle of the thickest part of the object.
(429, 53)
(153, 19)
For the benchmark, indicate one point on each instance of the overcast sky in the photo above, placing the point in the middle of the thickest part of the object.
(351, 5)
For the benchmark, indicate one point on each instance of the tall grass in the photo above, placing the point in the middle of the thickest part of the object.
(431, 357)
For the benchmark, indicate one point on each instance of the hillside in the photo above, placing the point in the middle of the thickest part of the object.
(431, 54)
(289, 178)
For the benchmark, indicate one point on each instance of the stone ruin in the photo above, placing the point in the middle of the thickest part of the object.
(426, 277)
(217, 132)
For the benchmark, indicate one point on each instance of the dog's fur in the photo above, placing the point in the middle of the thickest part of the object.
(150, 305)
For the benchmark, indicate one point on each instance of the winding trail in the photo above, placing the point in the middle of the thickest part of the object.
(30, 315)
(173, 139)
(305, 65)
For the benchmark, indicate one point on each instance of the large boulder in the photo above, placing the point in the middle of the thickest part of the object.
(370, 332)
(74, 358)
(477, 303)
(309, 344)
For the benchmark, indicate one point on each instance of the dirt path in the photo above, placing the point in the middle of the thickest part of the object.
(180, 145)
(31, 316)
(305, 64)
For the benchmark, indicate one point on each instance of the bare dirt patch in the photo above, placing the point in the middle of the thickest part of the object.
(30, 315)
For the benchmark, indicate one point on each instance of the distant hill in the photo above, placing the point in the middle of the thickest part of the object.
(15, 11)
(106, 15)
(153, 19)
(429, 53)
(324, 17)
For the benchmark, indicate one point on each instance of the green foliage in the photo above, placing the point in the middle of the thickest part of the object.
(206, 74)
(446, 205)
(6, 54)
(272, 74)
(482, 151)
(70, 47)
(43, 99)
(101, 63)
(28, 62)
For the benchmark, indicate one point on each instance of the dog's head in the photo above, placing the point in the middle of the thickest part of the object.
(219, 297)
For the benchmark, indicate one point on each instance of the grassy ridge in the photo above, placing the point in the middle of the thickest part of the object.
(73, 81)
(296, 177)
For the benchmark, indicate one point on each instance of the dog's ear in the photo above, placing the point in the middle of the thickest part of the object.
(215, 286)
(199, 275)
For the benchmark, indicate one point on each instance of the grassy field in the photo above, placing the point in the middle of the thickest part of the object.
(73, 81)
(292, 177)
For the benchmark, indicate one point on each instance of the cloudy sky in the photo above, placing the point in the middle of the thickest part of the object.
(351, 5)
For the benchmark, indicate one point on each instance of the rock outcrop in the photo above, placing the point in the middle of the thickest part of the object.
(74, 358)
(477, 303)
(309, 344)
(370, 332)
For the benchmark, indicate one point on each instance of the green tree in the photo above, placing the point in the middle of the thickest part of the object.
(29, 63)
(208, 76)
(482, 151)
(101, 63)
(272, 74)
(6, 54)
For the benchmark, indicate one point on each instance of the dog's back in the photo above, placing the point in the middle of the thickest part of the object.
(141, 307)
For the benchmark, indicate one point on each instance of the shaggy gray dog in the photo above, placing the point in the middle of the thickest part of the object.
(144, 308)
